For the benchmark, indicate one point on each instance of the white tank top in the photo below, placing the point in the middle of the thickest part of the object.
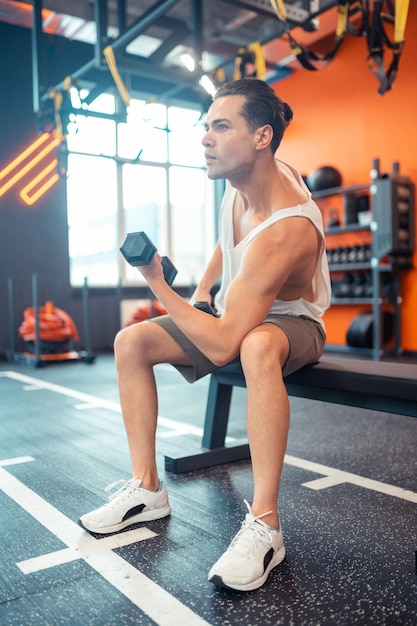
(232, 255)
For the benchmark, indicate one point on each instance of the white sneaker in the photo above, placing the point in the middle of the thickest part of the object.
(252, 554)
(129, 505)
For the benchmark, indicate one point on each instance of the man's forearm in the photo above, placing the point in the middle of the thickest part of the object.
(202, 329)
(213, 270)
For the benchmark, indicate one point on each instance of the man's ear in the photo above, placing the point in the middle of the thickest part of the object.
(264, 136)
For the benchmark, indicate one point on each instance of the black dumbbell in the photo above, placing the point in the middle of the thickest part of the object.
(344, 255)
(359, 286)
(138, 250)
(353, 254)
(205, 307)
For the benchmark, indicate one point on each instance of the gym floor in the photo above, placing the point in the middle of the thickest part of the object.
(348, 509)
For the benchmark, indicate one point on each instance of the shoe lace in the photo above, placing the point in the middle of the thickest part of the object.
(251, 533)
(125, 490)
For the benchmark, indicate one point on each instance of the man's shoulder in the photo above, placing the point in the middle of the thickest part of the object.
(286, 167)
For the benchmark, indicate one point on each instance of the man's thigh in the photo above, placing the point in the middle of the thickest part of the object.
(306, 339)
(196, 364)
(152, 342)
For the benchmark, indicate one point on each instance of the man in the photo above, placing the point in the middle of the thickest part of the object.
(275, 287)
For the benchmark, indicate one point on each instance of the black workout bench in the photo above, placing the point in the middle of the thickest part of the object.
(378, 385)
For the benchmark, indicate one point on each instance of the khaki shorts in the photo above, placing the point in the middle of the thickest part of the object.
(306, 338)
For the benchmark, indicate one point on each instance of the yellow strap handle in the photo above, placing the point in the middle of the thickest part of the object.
(343, 12)
(280, 10)
(218, 75)
(401, 12)
(111, 62)
(58, 97)
(260, 66)
(342, 18)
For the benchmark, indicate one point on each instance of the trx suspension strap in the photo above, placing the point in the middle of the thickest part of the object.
(280, 10)
(62, 107)
(377, 38)
(307, 58)
(357, 27)
(250, 57)
(57, 121)
(111, 62)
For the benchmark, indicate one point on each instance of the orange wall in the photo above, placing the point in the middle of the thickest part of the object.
(340, 120)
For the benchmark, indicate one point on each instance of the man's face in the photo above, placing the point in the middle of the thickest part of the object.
(229, 145)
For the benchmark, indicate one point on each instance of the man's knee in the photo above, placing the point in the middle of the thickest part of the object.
(148, 344)
(263, 348)
(130, 340)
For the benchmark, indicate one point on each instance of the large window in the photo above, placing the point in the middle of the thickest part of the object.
(143, 174)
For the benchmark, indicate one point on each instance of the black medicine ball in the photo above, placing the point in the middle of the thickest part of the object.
(324, 177)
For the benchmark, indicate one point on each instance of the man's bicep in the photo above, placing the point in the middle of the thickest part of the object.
(249, 298)
(265, 267)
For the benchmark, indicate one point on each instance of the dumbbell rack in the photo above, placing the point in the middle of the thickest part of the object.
(387, 254)
(375, 272)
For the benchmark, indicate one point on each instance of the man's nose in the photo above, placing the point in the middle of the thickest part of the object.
(206, 140)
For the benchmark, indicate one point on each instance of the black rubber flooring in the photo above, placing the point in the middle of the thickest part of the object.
(348, 509)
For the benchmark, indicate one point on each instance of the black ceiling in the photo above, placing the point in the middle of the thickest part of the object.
(148, 36)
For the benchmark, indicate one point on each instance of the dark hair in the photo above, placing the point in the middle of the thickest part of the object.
(262, 106)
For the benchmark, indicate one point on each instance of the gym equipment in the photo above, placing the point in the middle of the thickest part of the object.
(358, 285)
(205, 307)
(87, 355)
(343, 288)
(335, 256)
(393, 211)
(57, 328)
(349, 254)
(368, 290)
(353, 254)
(360, 331)
(146, 310)
(350, 210)
(362, 203)
(49, 333)
(139, 250)
(325, 177)
(354, 286)
(344, 255)
(364, 253)
(333, 220)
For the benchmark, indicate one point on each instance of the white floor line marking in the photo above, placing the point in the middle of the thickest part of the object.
(336, 476)
(153, 600)
(70, 554)
(45, 561)
(325, 482)
(94, 401)
(16, 460)
(85, 406)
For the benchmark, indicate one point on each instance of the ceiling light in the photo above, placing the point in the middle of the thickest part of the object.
(206, 82)
(188, 61)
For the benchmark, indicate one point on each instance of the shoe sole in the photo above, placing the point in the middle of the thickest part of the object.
(217, 580)
(146, 516)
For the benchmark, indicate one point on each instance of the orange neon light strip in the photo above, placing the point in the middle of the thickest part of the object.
(25, 193)
(22, 156)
